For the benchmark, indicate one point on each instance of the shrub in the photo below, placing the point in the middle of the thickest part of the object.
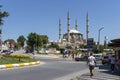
(19, 56)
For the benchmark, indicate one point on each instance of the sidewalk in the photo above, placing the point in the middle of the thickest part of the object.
(101, 73)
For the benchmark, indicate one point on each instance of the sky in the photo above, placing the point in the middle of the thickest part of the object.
(42, 17)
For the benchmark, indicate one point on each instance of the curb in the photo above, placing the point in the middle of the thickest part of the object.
(18, 65)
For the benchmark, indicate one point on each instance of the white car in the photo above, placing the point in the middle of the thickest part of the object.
(98, 56)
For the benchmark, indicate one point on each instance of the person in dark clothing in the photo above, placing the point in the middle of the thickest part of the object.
(112, 63)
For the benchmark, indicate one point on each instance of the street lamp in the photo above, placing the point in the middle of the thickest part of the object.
(99, 38)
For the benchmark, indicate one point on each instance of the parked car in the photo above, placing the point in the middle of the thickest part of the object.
(82, 58)
(6, 52)
(98, 56)
(105, 60)
(11, 50)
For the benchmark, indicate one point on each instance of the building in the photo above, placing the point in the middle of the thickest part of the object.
(72, 38)
(75, 38)
(115, 44)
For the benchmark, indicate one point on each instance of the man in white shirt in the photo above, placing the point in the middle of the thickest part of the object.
(91, 63)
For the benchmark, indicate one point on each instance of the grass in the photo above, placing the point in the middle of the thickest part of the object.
(13, 60)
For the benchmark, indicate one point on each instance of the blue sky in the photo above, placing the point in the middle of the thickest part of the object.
(42, 17)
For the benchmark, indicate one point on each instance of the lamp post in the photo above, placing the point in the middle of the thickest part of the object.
(99, 38)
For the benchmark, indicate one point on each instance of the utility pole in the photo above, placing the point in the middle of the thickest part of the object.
(87, 32)
(99, 39)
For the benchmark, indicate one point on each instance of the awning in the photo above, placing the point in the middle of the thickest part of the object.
(114, 43)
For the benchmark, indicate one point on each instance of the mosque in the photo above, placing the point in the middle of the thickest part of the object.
(72, 38)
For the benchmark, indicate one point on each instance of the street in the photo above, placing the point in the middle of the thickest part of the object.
(52, 69)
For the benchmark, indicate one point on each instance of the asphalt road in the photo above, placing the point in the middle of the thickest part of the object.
(52, 69)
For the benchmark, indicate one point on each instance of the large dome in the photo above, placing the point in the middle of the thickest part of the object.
(74, 31)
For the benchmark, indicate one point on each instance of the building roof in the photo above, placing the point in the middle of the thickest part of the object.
(74, 31)
(114, 42)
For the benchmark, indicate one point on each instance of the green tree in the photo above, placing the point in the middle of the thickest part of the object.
(36, 41)
(56, 46)
(101, 48)
(31, 40)
(10, 41)
(95, 49)
(44, 40)
(21, 40)
(2, 15)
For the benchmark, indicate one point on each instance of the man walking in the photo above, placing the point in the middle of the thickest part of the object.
(91, 63)
(112, 63)
(109, 57)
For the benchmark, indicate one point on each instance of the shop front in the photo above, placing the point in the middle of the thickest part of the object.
(115, 44)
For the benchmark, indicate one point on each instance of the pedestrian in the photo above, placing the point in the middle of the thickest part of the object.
(118, 61)
(112, 63)
(109, 57)
(33, 54)
(72, 53)
(91, 63)
(64, 53)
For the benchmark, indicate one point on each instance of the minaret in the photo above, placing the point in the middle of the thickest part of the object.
(60, 29)
(76, 25)
(87, 25)
(68, 24)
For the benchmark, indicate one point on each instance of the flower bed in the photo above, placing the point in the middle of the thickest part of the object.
(15, 58)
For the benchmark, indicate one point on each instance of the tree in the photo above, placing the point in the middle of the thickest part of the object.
(101, 48)
(44, 40)
(31, 40)
(56, 46)
(11, 42)
(21, 40)
(2, 15)
(35, 40)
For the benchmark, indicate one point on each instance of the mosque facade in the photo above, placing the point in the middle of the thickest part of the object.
(72, 37)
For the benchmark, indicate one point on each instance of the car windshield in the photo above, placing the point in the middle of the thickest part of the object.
(97, 56)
